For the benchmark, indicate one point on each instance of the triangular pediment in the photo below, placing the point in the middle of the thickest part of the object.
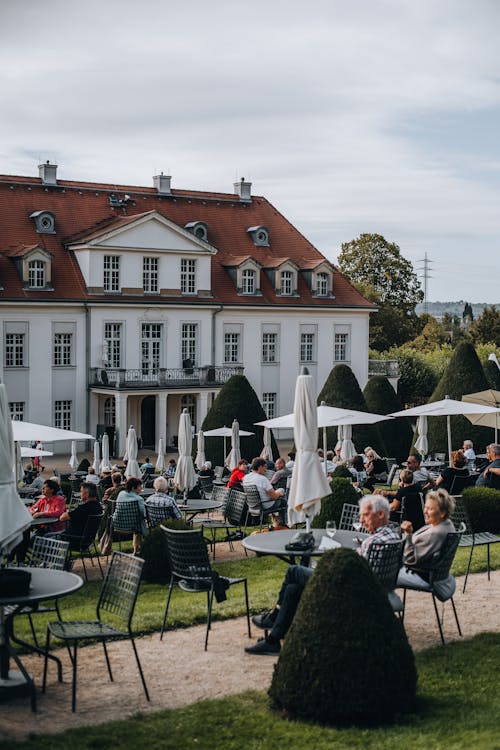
(150, 232)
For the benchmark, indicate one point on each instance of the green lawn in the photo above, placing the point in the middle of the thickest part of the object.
(458, 709)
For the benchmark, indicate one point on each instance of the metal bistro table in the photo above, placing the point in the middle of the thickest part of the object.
(43, 521)
(193, 507)
(274, 543)
(45, 584)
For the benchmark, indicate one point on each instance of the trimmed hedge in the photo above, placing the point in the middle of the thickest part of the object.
(381, 398)
(483, 507)
(492, 374)
(346, 658)
(154, 551)
(341, 471)
(331, 505)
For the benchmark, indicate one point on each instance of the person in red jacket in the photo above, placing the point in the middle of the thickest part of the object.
(237, 474)
(50, 505)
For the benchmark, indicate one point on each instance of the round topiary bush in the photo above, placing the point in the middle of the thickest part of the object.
(154, 551)
(341, 471)
(331, 505)
(346, 658)
(483, 508)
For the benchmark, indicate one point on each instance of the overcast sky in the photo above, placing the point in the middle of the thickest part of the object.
(350, 116)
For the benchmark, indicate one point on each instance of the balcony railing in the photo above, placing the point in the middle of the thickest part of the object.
(180, 377)
(389, 368)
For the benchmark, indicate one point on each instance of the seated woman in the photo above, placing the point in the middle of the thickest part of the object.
(237, 474)
(50, 505)
(409, 492)
(375, 467)
(458, 468)
(422, 546)
(206, 470)
(357, 469)
(122, 514)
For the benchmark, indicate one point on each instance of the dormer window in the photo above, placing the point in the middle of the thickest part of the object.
(198, 228)
(34, 265)
(322, 284)
(248, 278)
(36, 274)
(287, 282)
(259, 235)
(45, 222)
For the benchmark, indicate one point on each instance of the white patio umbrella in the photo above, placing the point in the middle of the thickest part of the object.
(73, 461)
(235, 454)
(225, 432)
(347, 451)
(14, 517)
(447, 407)
(132, 469)
(185, 476)
(487, 398)
(24, 431)
(267, 451)
(32, 452)
(309, 483)
(105, 462)
(18, 465)
(97, 457)
(160, 461)
(200, 453)
(421, 443)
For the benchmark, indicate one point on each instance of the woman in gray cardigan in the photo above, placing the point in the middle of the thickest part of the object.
(423, 546)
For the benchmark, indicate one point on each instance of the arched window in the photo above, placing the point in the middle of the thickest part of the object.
(188, 401)
(110, 411)
(36, 274)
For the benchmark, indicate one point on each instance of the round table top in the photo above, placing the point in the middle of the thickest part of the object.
(44, 520)
(45, 584)
(274, 542)
(199, 505)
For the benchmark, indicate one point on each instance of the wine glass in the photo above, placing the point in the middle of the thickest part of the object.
(331, 529)
(357, 526)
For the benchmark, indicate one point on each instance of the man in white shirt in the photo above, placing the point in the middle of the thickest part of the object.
(469, 453)
(271, 498)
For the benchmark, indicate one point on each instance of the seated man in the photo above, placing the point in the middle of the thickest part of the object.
(147, 467)
(420, 474)
(270, 498)
(37, 481)
(89, 506)
(92, 476)
(172, 466)
(490, 476)
(374, 515)
(162, 500)
(410, 493)
(281, 472)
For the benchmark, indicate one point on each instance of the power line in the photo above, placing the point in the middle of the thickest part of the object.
(425, 273)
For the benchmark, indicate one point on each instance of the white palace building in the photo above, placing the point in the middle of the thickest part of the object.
(122, 305)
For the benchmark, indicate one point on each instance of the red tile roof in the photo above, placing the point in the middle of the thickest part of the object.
(82, 210)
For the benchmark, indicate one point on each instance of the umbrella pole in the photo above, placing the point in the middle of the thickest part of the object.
(324, 449)
(496, 428)
(448, 425)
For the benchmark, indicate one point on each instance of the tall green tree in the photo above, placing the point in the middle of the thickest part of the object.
(486, 329)
(381, 398)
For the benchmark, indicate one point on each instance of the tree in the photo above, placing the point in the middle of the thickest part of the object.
(486, 329)
(417, 379)
(388, 326)
(492, 373)
(381, 398)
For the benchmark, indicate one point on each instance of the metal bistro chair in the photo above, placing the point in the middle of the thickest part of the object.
(471, 538)
(349, 517)
(255, 505)
(190, 569)
(117, 599)
(390, 476)
(384, 559)
(86, 544)
(127, 519)
(206, 486)
(155, 515)
(234, 513)
(459, 484)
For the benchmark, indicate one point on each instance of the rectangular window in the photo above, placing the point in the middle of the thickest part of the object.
(16, 409)
(231, 348)
(112, 342)
(151, 347)
(36, 274)
(322, 284)
(62, 349)
(14, 349)
(189, 344)
(269, 404)
(286, 283)
(188, 276)
(269, 347)
(248, 282)
(341, 344)
(307, 347)
(62, 414)
(150, 275)
(111, 281)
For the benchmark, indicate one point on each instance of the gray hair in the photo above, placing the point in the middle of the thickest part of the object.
(160, 484)
(446, 502)
(495, 449)
(377, 502)
(468, 444)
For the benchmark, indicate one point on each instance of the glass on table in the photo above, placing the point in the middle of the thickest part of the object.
(331, 529)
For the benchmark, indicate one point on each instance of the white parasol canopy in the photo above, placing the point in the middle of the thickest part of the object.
(97, 457)
(487, 398)
(73, 461)
(32, 452)
(327, 416)
(24, 431)
(105, 462)
(14, 517)
(225, 432)
(160, 461)
(309, 483)
(185, 476)
(445, 408)
(132, 469)
(267, 451)
(235, 454)
(200, 454)
(421, 443)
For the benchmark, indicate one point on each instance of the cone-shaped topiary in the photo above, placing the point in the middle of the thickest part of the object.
(236, 399)
(341, 389)
(463, 375)
(381, 398)
(341, 470)
(492, 373)
(331, 506)
(346, 658)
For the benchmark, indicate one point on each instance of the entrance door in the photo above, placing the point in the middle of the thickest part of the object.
(148, 422)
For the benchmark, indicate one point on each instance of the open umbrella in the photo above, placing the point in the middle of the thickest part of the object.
(234, 456)
(309, 483)
(132, 469)
(267, 451)
(73, 461)
(200, 453)
(105, 463)
(97, 457)
(24, 431)
(160, 461)
(487, 398)
(421, 443)
(445, 408)
(225, 432)
(14, 518)
(185, 476)
(32, 452)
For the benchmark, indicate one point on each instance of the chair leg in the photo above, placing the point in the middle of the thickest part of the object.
(488, 559)
(82, 558)
(404, 606)
(33, 631)
(468, 568)
(45, 661)
(438, 619)
(140, 668)
(73, 684)
(98, 561)
(456, 617)
(166, 608)
(107, 661)
(209, 615)
(247, 608)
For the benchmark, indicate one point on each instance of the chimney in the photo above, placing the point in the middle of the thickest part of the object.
(243, 189)
(47, 173)
(162, 184)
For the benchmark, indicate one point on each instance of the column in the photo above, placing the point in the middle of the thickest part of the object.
(121, 421)
(161, 418)
(202, 408)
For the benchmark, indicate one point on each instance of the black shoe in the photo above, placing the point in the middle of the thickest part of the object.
(264, 647)
(265, 621)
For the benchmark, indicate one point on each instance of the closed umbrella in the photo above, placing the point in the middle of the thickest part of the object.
(235, 455)
(160, 461)
(19, 472)
(132, 469)
(105, 463)
(267, 451)
(347, 450)
(487, 398)
(73, 461)
(14, 517)
(185, 476)
(200, 453)
(421, 443)
(97, 457)
(309, 483)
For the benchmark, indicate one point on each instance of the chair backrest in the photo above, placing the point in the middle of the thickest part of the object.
(350, 516)
(441, 568)
(90, 531)
(220, 494)
(156, 514)
(460, 515)
(269, 473)
(281, 483)
(253, 499)
(49, 553)
(384, 558)
(392, 472)
(127, 516)
(390, 462)
(121, 586)
(459, 483)
(236, 507)
(187, 553)
(219, 471)
(205, 484)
